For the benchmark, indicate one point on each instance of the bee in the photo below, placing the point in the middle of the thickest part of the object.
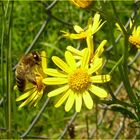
(25, 70)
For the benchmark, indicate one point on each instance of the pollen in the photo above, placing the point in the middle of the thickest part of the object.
(79, 80)
(134, 40)
(39, 83)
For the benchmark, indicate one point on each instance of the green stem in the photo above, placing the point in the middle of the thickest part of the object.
(116, 65)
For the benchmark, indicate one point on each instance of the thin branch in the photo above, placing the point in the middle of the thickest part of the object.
(67, 126)
(120, 129)
(35, 119)
(36, 37)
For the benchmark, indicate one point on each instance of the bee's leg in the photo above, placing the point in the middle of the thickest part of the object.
(31, 78)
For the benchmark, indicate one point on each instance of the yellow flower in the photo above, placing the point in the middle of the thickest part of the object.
(134, 38)
(34, 92)
(82, 3)
(78, 54)
(77, 82)
(93, 26)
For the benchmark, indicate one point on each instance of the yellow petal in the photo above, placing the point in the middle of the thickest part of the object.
(100, 78)
(55, 81)
(28, 100)
(54, 72)
(85, 59)
(78, 29)
(98, 91)
(90, 21)
(58, 91)
(62, 99)
(70, 60)
(97, 63)
(74, 51)
(70, 101)
(78, 102)
(25, 95)
(61, 64)
(100, 49)
(44, 60)
(87, 100)
(90, 44)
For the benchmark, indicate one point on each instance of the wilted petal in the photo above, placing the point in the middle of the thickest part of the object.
(98, 91)
(87, 100)
(58, 91)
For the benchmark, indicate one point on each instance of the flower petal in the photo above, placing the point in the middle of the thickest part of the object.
(100, 78)
(70, 101)
(74, 51)
(58, 91)
(78, 29)
(90, 44)
(100, 49)
(28, 100)
(85, 59)
(78, 103)
(55, 81)
(63, 98)
(25, 95)
(70, 60)
(87, 100)
(44, 60)
(54, 72)
(98, 91)
(61, 64)
(96, 65)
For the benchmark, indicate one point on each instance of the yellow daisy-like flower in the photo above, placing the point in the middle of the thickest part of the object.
(93, 26)
(78, 54)
(134, 38)
(34, 91)
(82, 3)
(77, 81)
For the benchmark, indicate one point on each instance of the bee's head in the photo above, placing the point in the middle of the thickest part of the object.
(36, 57)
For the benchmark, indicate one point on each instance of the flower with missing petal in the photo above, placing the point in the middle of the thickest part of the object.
(34, 91)
(93, 26)
(82, 3)
(77, 82)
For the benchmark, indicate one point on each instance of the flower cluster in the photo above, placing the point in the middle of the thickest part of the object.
(134, 38)
(77, 76)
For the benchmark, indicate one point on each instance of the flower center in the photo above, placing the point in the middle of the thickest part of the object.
(39, 83)
(134, 40)
(79, 80)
